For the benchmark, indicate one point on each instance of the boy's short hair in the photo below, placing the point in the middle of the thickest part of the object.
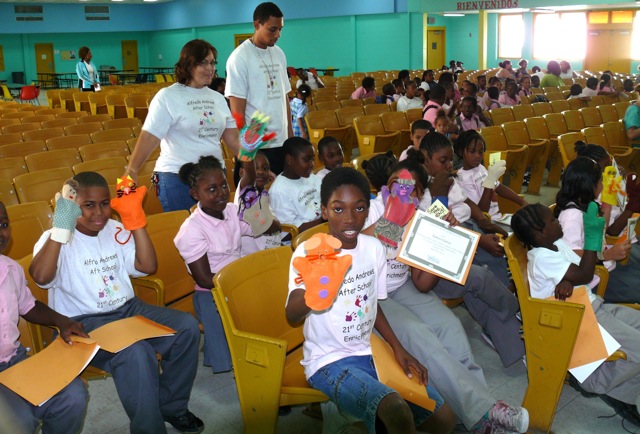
(90, 179)
(592, 82)
(437, 92)
(368, 82)
(264, 11)
(343, 176)
(295, 145)
(575, 89)
(397, 82)
(421, 124)
(325, 142)
(493, 92)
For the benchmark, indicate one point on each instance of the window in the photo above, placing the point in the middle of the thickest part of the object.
(560, 36)
(635, 38)
(621, 17)
(599, 17)
(511, 36)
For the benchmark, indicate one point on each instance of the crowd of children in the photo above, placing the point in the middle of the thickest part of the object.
(403, 304)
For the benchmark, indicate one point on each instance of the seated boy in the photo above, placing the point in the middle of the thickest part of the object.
(331, 155)
(294, 196)
(337, 352)
(88, 280)
(64, 412)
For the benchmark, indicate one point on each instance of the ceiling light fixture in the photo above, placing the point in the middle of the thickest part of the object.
(453, 15)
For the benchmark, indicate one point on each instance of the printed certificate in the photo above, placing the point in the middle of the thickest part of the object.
(431, 245)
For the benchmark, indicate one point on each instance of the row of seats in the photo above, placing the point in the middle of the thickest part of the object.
(67, 126)
(116, 104)
(607, 112)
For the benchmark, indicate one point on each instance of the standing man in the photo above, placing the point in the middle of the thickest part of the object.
(257, 79)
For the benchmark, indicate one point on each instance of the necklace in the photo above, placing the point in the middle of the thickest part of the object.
(271, 73)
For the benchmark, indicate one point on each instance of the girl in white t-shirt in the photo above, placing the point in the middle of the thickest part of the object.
(438, 158)
(554, 269)
(208, 240)
(470, 148)
(581, 185)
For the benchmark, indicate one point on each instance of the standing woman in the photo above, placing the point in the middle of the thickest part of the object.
(187, 120)
(87, 71)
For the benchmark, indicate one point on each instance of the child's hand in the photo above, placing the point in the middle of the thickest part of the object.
(633, 193)
(440, 184)
(593, 228)
(65, 216)
(496, 170)
(128, 204)
(451, 219)
(252, 135)
(491, 228)
(564, 289)
(70, 327)
(619, 251)
(406, 361)
(491, 243)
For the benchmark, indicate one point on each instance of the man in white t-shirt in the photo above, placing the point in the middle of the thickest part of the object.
(257, 79)
(312, 80)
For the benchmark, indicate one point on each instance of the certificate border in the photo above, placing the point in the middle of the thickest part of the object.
(460, 276)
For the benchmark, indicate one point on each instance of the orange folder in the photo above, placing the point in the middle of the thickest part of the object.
(118, 335)
(391, 374)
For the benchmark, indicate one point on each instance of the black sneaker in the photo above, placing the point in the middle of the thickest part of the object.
(187, 423)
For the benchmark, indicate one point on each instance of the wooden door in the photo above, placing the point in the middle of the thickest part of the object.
(130, 55)
(1, 59)
(44, 59)
(608, 49)
(435, 48)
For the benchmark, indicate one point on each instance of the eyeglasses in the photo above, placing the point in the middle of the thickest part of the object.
(204, 63)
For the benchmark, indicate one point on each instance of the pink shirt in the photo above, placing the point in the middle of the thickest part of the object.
(15, 300)
(471, 182)
(505, 100)
(473, 123)
(431, 114)
(202, 234)
(361, 93)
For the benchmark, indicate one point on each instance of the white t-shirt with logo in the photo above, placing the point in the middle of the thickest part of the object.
(189, 123)
(93, 272)
(344, 329)
(295, 201)
(260, 77)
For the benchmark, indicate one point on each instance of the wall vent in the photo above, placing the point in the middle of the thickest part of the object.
(28, 12)
(96, 13)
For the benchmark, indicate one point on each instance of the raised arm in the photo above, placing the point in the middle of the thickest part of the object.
(297, 310)
(146, 261)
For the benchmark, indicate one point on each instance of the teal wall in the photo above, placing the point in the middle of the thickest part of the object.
(350, 43)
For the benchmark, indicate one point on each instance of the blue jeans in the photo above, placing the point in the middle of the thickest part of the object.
(352, 384)
(216, 349)
(63, 413)
(173, 193)
(147, 395)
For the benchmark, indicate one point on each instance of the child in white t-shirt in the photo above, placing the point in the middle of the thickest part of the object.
(294, 196)
(207, 241)
(554, 269)
(419, 129)
(470, 148)
(331, 155)
(337, 351)
(88, 280)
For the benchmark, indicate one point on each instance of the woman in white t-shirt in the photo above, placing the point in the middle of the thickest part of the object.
(187, 120)
(87, 71)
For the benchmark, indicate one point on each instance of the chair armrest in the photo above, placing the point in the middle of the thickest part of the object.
(290, 229)
(149, 289)
(603, 273)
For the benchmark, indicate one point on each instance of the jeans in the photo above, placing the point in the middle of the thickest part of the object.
(173, 193)
(352, 384)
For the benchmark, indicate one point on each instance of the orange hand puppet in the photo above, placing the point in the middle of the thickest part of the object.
(321, 270)
(128, 203)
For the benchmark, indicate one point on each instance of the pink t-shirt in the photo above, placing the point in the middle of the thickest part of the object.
(573, 232)
(15, 300)
(361, 93)
(505, 100)
(202, 234)
(431, 113)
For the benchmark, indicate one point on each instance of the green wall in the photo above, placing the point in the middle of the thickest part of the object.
(350, 43)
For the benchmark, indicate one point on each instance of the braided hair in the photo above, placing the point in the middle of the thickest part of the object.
(526, 222)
